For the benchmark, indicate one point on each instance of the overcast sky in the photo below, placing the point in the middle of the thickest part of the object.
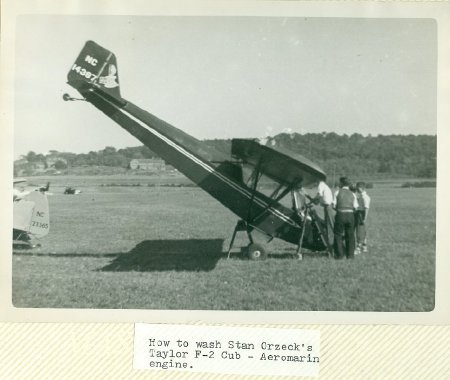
(224, 77)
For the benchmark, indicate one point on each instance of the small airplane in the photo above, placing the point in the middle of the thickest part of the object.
(30, 214)
(71, 191)
(95, 76)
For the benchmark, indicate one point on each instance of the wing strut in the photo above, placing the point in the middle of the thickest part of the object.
(276, 196)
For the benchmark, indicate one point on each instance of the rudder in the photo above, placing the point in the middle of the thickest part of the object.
(95, 67)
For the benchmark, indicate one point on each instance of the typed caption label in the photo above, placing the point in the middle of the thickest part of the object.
(231, 350)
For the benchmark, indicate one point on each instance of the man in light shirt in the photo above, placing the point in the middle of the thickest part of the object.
(361, 216)
(325, 198)
(299, 200)
(345, 204)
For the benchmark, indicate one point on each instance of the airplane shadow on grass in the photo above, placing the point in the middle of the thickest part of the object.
(196, 255)
(178, 255)
(167, 255)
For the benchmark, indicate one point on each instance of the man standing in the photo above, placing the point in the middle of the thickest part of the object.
(345, 203)
(325, 198)
(361, 216)
(299, 200)
(299, 205)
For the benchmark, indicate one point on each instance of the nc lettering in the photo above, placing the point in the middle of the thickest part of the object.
(91, 60)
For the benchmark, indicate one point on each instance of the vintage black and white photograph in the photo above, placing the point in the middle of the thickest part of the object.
(224, 163)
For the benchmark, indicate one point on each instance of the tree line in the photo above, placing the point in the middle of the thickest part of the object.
(366, 156)
(355, 155)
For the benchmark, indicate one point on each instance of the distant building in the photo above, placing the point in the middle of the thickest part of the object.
(148, 164)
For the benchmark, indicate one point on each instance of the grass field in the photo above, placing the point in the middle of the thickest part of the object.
(144, 247)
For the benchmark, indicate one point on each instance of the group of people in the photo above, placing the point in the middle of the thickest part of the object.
(352, 208)
(345, 215)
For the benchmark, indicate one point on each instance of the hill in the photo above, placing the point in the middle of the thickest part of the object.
(382, 156)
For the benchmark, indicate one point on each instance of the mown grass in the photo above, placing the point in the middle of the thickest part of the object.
(163, 248)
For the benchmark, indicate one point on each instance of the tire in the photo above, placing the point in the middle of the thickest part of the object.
(256, 252)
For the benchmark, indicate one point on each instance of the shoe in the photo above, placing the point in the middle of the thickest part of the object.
(365, 250)
(357, 251)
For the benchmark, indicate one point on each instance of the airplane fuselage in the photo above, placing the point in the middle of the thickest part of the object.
(274, 219)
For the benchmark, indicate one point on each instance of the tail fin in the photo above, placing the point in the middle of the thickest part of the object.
(32, 215)
(95, 67)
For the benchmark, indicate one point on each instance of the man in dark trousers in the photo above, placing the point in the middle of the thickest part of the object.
(345, 203)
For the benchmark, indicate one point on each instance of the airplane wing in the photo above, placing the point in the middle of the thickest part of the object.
(19, 180)
(279, 164)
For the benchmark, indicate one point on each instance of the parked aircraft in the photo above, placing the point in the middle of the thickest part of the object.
(95, 76)
(71, 191)
(30, 214)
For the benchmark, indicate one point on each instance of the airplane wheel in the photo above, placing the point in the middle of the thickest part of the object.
(256, 252)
